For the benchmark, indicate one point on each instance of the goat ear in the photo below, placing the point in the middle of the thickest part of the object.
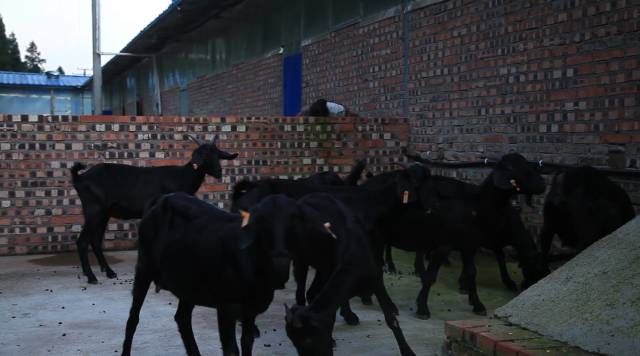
(226, 155)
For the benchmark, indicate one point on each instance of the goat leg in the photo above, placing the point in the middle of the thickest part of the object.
(390, 266)
(141, 285)
(504, 273)
(96, 245)
(469, 268)
(248, 336)
(390, 317)
(83, 252)
(546, 237)
(348, 315)
(428, 278)
(183, 319)
(366, 299)
(418, 262)
(227, 331)
(300, 271)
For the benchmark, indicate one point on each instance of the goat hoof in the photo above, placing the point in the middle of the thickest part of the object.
(480, 310)
(351, 319)
(92, 280)
(366, 300)
(111, 274)
(256, 331)
(423, 315)
(511, 286)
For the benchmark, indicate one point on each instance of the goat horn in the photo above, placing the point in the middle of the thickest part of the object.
(194, 139)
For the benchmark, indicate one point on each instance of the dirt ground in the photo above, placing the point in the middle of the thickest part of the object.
(47, 308)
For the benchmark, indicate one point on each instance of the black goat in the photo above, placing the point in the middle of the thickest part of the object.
(209, 257)
(465, 217)
(345, 267)
(369, 205)
(121, 191)
(320, 178)
(582, 207)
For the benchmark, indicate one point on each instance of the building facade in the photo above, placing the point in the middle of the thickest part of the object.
(43, 94)
(555, 80)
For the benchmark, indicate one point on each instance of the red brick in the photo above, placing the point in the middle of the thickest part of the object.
(493, 138)
(67, 219)
(213, 188)
(615, 138)
(166, 162)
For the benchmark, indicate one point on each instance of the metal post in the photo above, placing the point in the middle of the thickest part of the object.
(97, 66)
(52, 102)
(405, 58)
(156, 87)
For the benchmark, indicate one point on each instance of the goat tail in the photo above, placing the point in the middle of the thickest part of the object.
(75, 177)
(356, 172)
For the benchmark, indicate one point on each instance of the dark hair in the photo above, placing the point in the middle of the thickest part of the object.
(319, 108)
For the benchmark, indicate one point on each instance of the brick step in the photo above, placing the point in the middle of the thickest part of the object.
(488, 337)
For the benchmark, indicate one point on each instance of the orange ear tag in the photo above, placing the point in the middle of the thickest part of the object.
(405, 197)
(327, 226)
(245, 218)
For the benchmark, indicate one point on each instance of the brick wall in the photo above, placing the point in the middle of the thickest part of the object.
(252, 88)
(360, 66)
(555, 80)
(40, 211)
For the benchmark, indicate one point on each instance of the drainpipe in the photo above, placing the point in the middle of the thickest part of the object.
(97, 66)
(405, 58)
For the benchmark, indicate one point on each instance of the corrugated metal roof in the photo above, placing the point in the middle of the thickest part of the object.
(179, 18)
(41, 79)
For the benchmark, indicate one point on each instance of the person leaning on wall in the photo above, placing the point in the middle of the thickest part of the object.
(324, 108)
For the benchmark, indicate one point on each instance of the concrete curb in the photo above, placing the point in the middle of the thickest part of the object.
(501, 338)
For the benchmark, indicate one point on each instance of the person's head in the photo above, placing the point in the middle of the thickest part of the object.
(319, 108)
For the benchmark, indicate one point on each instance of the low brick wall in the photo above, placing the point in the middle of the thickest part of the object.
(41, 213)
(488, 337)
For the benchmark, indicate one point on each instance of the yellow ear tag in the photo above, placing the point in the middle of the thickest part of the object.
(245, 218)
(327, 226)
(405, 197)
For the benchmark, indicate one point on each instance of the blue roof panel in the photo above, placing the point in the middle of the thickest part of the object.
(41, 79)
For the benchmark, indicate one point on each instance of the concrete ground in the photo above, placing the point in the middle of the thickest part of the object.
(46, 307)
